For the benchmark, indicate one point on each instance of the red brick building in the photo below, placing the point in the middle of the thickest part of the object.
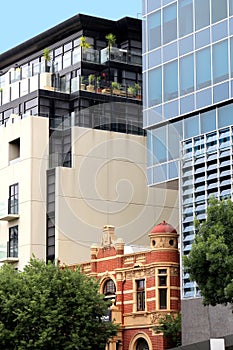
(143, 283)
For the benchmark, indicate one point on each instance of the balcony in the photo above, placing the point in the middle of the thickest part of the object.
(9, 212)
(7, 255)
(119, 55)
(52, 82)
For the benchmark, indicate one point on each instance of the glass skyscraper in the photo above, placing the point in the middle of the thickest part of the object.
(188, 109)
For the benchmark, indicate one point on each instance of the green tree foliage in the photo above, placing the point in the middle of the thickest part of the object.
(210, 262)
(45, 307)
(170, 326)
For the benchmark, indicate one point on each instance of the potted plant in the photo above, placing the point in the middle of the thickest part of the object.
(131, 91)
(137, 90)
(116, 88)
(47, 59)
(84, 45)
(111, 39)
(91, 79)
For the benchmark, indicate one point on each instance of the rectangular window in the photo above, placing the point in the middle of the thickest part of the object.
(170, 81)
(163, 298)
(185, 17)
(202, 13)
(162, 283)
(220, 61)
(219, 10)
(14, 149)
(159, 140)
(140, 290)
(203, 71)
(154, 87)
(13, 242)
(231, 7)
(231, 56)
(169, 23)
(154, 30)
(186, 75)
(13, 201)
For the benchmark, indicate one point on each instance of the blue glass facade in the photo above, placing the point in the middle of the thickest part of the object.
(187, 67)
(188, 105)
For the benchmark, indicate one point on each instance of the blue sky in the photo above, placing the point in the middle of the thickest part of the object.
(21, 20)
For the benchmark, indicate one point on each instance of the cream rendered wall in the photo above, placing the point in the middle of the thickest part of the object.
(107, 185)
(30, 172)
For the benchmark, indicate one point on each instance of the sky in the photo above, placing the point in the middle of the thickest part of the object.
(23, 19)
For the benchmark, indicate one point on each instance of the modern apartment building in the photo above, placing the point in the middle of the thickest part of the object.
(188, 115)
(73, 150)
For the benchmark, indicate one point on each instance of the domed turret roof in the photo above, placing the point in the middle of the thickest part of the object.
(163, 227)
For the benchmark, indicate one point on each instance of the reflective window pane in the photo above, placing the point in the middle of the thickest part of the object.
(169, 24)
(208, 121)
(154, 30)
(202, 13)
(225, 116)
(175, 135)
(219, 10)
(186, 75)
(159, 140)
(231, 7)
(203, 72)
(220, 61)
(154, 86)
(231, 56)
(185, 11)
(170, 81)
(191, 126)
(153, 5)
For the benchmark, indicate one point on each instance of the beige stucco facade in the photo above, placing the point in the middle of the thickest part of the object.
(106, 185)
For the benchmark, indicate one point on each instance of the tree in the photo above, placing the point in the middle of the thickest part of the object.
(170, 326)
(111, 39)
(46, 307)
(47, 58)
(210, 261)
(84, 44)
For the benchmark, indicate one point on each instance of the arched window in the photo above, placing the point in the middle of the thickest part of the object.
(109, 289)
(142, 344)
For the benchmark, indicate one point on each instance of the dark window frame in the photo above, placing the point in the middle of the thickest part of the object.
(140, 295)
(13, 200)
(13, 242)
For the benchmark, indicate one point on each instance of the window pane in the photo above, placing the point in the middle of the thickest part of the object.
(185, 17)
(154, 30)
(170, 81)
(208, 121)
(174, 138)
(191, 126)
(153, 5)
(220, 61)
(186, 75)
(231, 55)
(162, 298)
(231, 7)
(225, 116)
(169, 24)
(219, 10)
(159, 140)
(202, 13)
(203, 68)
(154, 86)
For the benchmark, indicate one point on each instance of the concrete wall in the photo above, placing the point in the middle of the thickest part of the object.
(29, 170)
(200, 323)
(107, 185)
